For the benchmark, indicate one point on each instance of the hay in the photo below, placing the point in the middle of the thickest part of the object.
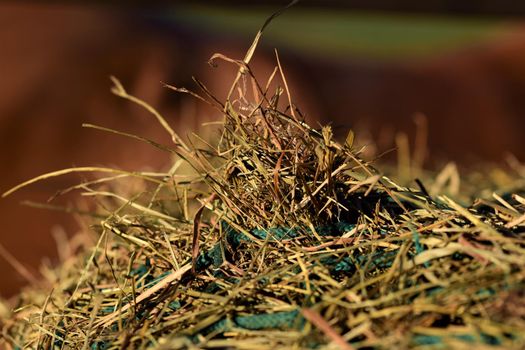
(278, 237)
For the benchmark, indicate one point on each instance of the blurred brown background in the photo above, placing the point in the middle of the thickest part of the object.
(354, 66)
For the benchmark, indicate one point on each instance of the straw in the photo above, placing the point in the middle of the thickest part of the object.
(275, 235)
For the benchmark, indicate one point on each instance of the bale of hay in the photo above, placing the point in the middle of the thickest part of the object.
(277, 236)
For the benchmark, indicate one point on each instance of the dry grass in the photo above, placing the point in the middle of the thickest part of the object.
(277, 236)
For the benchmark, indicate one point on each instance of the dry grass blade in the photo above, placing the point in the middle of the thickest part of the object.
(321, 323)
(79, 170)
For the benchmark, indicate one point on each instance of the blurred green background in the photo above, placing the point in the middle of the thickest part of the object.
(340, 33)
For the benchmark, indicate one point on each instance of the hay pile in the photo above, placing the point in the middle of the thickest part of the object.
(279, 237)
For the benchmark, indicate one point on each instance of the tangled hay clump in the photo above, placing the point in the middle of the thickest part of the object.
(279, 237)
